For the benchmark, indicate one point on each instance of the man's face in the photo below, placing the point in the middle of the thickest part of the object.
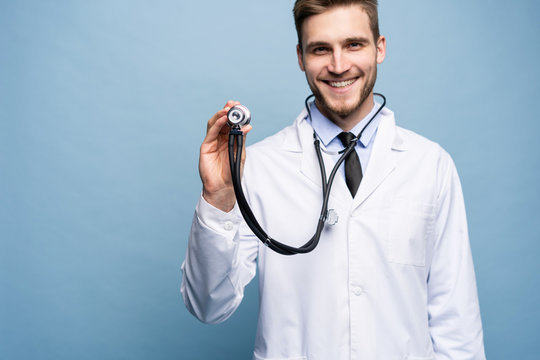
(340, 57)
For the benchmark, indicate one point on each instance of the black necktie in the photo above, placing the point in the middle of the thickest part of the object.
(353, 169)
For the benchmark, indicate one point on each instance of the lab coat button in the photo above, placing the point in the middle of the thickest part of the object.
(357, 290)
(228, 225)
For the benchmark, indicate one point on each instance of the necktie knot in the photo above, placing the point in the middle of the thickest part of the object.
(346, 138)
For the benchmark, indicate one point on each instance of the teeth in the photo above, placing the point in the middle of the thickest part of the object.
(339, 84)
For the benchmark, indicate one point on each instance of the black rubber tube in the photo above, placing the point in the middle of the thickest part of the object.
(235, 162)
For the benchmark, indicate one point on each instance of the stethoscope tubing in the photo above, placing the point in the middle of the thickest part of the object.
(235, 162)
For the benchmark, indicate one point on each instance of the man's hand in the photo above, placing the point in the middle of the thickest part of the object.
(214, 161)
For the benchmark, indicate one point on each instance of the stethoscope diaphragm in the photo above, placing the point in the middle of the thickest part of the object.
(238, 116)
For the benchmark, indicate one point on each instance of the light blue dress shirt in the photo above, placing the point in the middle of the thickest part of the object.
(328, 132)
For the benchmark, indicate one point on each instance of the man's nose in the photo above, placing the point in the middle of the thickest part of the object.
(339, 63)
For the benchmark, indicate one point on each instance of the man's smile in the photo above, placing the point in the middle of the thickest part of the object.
(340, 84)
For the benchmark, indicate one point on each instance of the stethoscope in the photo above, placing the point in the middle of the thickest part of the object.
(239, 116)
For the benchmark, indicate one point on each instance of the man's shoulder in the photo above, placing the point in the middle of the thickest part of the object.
(419, 143)
(423, 152)
(415, 139)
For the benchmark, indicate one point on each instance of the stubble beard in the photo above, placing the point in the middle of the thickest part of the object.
(343, 111)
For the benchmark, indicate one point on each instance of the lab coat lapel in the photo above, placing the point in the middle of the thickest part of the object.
(310, 165)
(383, 157)
(302, 141)
(382, 162)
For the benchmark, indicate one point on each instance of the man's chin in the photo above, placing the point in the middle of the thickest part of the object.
(342, 110)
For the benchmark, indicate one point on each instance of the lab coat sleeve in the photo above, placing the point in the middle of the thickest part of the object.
(453, 310)
(219, 263)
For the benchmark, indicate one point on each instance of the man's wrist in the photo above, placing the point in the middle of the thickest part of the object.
(223, 199)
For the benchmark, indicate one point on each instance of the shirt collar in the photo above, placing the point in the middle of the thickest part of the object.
(328, 131)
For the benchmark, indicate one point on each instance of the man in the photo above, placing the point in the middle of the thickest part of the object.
(393, 278)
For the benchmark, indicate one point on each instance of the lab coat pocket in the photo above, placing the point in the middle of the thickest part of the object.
(407, 226)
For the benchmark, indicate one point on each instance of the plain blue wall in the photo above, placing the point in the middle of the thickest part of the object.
(103, 106)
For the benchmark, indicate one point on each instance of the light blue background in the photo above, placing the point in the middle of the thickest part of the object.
(103, 106)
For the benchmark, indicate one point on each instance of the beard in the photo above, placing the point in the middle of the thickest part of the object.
(344, 110)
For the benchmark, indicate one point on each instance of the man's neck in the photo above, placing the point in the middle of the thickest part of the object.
(348, 122)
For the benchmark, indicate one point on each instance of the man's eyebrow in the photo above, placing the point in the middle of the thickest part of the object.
(314, 44)
(359, 39)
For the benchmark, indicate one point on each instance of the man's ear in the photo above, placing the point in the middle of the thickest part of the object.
(381, 49)
(300, 57)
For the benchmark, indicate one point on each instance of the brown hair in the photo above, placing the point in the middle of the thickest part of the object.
(306, 8)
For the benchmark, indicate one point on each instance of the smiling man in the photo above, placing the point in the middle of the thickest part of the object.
(393, 278)
(341, 65)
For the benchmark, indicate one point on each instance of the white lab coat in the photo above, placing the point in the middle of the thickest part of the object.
(392, 280)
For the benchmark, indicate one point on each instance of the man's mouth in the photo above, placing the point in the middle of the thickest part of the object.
(340, 84)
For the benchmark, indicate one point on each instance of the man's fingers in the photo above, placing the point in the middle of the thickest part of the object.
(214, 129)
(228, 105)
(217, 123)
(231, 103)
(214, 118)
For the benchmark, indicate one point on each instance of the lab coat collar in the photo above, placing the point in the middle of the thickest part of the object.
(388, 143)
(296, 141)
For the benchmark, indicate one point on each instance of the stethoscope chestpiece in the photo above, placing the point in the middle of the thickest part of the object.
(238, 116)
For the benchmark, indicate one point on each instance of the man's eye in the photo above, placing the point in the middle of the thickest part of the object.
(320, 50)
(355, 45)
